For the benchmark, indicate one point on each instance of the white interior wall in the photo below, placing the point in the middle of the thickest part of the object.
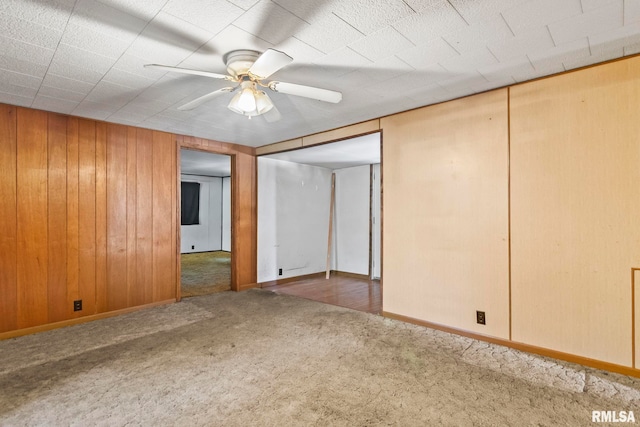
(293, 218)
(350, 248)
(226, 214)
(206, 236)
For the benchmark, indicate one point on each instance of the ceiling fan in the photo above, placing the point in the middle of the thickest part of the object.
(247, 70)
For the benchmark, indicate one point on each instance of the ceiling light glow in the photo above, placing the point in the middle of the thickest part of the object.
(250, 101)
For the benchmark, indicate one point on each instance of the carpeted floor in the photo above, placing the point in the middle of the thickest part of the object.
(205, 273)
(260, 359)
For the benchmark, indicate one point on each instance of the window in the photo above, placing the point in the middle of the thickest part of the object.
(190, 212)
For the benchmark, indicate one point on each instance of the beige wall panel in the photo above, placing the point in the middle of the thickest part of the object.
(575, 153)
(445, 178)
(341, 133)
(279, 146)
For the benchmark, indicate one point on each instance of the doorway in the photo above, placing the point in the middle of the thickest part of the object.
(295, 217)
(205, 223)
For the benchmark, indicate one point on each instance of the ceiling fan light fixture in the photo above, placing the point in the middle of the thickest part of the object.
(233, 104)
(247, 100)
(244, 101)
(263, 103)
(250, 101)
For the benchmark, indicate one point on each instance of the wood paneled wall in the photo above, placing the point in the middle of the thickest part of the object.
(70, 212)
(8, 220)
(89, 211)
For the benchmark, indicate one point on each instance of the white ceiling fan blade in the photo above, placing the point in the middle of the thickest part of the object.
(306, 91)
(189, 71)
(199, 101)
(269, 62)
(273, 115)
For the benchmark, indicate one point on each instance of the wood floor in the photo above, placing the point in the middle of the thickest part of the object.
(357, 294)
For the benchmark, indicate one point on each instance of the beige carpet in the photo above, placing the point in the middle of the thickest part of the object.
(260, 359)
(205, 273)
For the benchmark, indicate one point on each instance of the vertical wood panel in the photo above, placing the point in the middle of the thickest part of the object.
(133, 296)
(144, 217)
(101, 217)
(243, 247)
(163, 199)
(87, 216)
(116, 217)
(175, 246)
(73, 173)
(8, 221)
(31, 210)
(57, 218)
(575, 205)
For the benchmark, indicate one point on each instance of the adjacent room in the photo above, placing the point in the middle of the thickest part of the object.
(205, 223)
(319, 222)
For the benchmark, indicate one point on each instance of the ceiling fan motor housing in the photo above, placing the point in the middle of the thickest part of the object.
(238, 62)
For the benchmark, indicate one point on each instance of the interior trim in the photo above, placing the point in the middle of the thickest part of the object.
(289, 280)
(80, 320)
(567, 357)
(351, 275)
(633, 316)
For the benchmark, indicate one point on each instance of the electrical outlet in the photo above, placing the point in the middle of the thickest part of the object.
(279, 272)
(480, 318)
(77, 305)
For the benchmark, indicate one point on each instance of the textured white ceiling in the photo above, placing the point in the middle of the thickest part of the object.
(86, 57)
(193, 162)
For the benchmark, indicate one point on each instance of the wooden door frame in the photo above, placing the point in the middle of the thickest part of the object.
(179, 147)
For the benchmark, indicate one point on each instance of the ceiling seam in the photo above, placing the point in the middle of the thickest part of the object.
(551, 35)
(289, 11)
(403, 36)
(451, 46)
(405, 62)
(458, 12)
(313, 47)
(54, 52)
(507, 24)
(348, 23)
(409, 6)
